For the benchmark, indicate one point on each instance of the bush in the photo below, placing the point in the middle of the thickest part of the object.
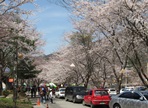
(22, 94)
(8, 103)
(10, 91)
(6, 93)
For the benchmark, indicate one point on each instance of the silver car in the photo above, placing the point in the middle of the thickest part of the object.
(60, 93)
(130, 99)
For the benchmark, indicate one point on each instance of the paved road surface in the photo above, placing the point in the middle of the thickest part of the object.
(61, 103)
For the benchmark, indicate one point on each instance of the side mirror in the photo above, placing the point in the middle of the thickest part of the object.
(141, 99)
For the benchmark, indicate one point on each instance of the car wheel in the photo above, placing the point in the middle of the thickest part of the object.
(116, 106)
(83, 103)
(74, 99)
(66, 98)
(92, 106)
(58, 96)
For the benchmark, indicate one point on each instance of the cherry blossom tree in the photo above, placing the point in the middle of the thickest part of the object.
(58, 66)
(110, 35)
(16, 34)
(117, 21)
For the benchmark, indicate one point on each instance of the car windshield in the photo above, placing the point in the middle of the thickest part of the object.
(145, 94)
(127, 89)
(112, 90)
(98, 92)
(140, 88)
(62, 89)
(79, 89)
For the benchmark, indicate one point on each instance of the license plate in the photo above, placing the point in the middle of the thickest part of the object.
(102, 103)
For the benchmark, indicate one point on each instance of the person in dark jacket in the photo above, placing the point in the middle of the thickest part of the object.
(33, 91)
(43, 94)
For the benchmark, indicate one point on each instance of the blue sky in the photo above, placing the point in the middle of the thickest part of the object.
(53, 21)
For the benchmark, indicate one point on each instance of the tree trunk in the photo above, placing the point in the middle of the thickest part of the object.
(1, 87)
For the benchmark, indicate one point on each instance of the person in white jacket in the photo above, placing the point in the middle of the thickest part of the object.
(51, 96)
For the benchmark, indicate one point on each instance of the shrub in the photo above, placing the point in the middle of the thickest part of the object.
(6, 93)
(8, 103)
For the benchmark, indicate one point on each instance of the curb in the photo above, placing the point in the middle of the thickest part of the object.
(40, 106)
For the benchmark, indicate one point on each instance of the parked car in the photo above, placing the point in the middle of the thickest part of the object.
(97, 97)
(123, 90)
(75, 93)
(112, 91)
(140, 88)
(130, 88)
(60, 93)
(126, 89)
(130, 99)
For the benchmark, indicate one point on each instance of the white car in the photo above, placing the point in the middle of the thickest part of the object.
(112, 91)
(60, 93)
(126, 89)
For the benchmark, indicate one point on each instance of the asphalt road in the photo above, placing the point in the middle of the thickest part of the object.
(61, 103)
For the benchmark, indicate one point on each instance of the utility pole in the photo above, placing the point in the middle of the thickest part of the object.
(1, 87)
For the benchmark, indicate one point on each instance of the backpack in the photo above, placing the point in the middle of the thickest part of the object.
(41, 93)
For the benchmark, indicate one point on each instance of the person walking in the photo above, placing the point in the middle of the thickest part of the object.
(51, 96)
(47, 94)
(43, 94)
(33, 91)
(27, 90)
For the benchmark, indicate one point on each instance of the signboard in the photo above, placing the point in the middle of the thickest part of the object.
(10, 79)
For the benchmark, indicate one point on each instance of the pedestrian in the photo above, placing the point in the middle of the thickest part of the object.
(28, 90)
(43, 94)
(51, 96)
(47, 94)
(33, 91)
(38, 89)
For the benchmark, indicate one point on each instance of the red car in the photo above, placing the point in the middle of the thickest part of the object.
(96, 97)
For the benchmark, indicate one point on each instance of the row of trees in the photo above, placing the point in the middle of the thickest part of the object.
(19, 41)
(110, 36)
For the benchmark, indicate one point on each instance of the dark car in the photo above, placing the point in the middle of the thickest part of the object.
(130, 99)
(75, 93)
(140, 88)
(97, 97)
